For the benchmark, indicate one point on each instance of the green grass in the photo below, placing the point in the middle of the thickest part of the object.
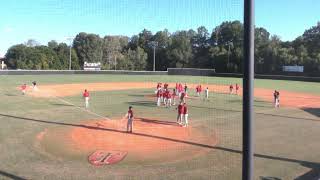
(295, 86)
(286, 139)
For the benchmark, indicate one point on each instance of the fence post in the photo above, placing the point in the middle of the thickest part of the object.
(248, 80)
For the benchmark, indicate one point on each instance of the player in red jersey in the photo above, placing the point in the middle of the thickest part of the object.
(165, 97)
(161, 95)
(237, 88)
(177, 87)
(23, 89)
(165, 86)
(231, 88)
(168, 96)
(130, 120)
(185, 115)
(180, 113)
(86, 96)
(174, 94)
(182, 97)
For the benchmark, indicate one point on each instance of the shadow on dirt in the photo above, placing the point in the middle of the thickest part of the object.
(313, 111)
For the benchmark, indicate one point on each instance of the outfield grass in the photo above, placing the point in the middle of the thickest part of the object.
(295, 86)
(286, 138)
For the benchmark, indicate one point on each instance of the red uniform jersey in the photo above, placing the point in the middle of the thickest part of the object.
(165, 94)
(231, 86)
(130, 114)
(158, 93)
(185, 109)
(86, 94)
(180, 109)
(24, 87)
(180, 87)
(168, 95)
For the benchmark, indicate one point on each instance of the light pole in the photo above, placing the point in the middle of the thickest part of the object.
(229, 43)
(70, 39)
(154, 45)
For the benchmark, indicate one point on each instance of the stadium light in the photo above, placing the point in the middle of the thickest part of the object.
(230, 43)
(154, 45)
(70, 39)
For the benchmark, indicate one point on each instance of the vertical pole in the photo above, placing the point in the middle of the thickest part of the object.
(115, 62)
(248, 78)
(228, 52)
(70, 58)
(154, 58)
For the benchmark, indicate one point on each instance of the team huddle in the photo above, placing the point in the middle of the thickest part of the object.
(167, 98)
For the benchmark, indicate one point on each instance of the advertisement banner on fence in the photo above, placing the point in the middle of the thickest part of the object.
(292, 68)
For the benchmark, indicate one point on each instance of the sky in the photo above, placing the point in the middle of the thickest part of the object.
(45, 20)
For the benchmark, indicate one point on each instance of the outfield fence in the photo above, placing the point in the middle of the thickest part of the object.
(170, 71)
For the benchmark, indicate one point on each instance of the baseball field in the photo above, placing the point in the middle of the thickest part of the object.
(49, 134)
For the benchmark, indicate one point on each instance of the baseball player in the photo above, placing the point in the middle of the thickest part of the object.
(185, 115)
(180, 114)
(174, 94)
(276, 95)
(177, 87)
(180, 89)
(165, 97)
(185, 88)
(130, 120)
(197, 90)
(161, 95)
(23, 89)
(231, 88)
(182, 97)
(158, 97)
(158, 85)
(165, 86)
(168, 96)
(206, 92)
(34, 86)
(86, 98)
(237, 88)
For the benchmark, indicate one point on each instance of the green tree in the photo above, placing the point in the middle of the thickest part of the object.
(89, 47)
(136, 59)
(180, 51)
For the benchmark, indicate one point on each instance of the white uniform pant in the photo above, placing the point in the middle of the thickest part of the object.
(158, 101)
(129, 125)
(35, 88)
(185, 117)
(168, 103)
(277, 103)
(86, 99)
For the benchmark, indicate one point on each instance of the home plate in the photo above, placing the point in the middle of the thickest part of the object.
(102, 157)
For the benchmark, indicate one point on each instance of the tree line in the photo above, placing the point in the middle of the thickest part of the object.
(220, 49)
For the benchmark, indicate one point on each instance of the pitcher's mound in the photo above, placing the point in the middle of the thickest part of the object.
(151, 138)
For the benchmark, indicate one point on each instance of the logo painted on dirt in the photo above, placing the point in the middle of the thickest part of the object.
(101, 157)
